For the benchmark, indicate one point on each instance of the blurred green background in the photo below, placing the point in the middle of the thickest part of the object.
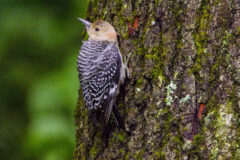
(39, 43)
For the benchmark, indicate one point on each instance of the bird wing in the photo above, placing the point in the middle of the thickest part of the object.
(99, 79)
(108, 74)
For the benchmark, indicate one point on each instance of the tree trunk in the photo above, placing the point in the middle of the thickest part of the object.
(182, 99)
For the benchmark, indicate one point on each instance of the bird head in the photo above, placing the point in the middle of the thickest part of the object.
(100, 31)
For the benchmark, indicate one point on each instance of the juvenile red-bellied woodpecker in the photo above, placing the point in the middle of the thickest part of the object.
(101, 71)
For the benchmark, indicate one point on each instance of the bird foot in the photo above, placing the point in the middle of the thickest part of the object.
(126, 64)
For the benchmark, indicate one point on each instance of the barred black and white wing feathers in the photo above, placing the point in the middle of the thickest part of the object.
(99, 65)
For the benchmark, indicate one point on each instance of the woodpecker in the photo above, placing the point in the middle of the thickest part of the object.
(101, 71)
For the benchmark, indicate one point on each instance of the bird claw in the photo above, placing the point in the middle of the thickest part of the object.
(127, 72)
(126, 64)
(128, 58)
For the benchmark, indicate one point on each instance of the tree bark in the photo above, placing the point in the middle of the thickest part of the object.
(182, 100)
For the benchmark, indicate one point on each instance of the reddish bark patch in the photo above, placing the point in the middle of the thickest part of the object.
(195, 122)
(135, 24)
(200, 111)
(131, 28)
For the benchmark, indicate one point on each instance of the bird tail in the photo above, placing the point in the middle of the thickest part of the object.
(118, 117)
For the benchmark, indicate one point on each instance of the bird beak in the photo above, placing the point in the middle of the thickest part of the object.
(86, 23)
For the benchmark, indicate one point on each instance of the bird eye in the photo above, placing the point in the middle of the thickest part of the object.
(96, 29)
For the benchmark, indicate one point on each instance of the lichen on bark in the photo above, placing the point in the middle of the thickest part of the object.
(185, 54)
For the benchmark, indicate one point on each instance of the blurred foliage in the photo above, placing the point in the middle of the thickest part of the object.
(39, 43)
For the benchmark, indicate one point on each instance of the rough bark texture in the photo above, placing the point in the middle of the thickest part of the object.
(182, 100)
